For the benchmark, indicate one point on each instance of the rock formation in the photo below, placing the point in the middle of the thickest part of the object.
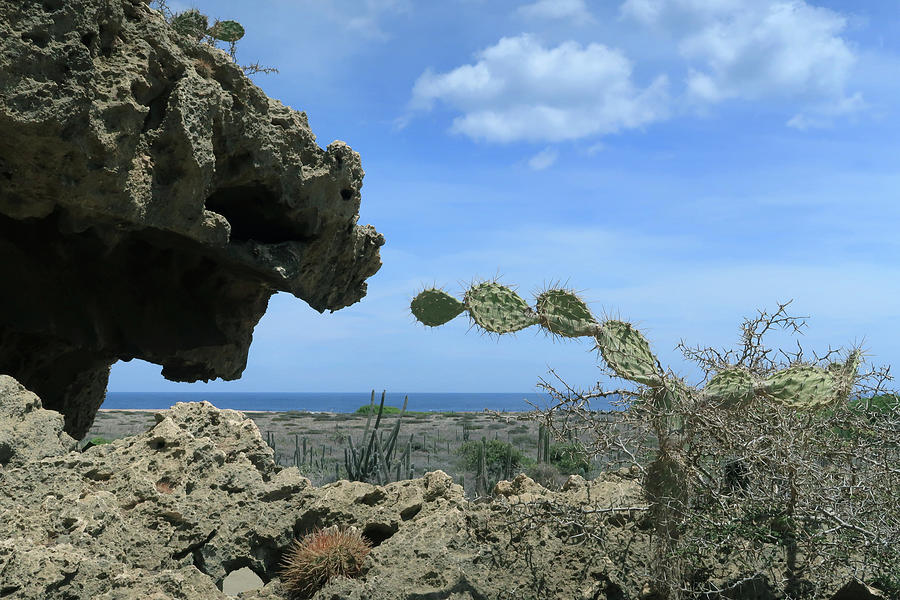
(182, 510)
(168, 514)
(152, 199)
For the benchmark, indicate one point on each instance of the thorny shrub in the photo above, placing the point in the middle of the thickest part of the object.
(793, 502)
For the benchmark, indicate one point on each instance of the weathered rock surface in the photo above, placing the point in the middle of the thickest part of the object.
(152, 199)
(170, 513)
(175, 512)
(27, 431)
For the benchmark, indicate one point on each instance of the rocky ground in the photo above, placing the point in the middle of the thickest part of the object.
(171, 512)
(319, 440)
(195, 506)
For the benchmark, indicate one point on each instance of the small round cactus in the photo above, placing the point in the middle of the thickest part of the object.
(322, 555)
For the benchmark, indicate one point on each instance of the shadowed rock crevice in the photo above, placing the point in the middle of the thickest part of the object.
(152, 199)
(253, 212)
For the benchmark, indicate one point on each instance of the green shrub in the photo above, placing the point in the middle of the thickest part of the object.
(884, 403)
(570, 459)
(369, 409)
(194, 25)
(502, 459)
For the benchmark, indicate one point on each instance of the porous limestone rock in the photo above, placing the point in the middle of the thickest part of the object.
(152, 199)
(170, 513)
(27, 431)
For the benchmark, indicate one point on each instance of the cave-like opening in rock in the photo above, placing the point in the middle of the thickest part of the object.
(254, 213)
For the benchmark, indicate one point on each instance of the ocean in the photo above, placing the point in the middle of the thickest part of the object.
(339, 402)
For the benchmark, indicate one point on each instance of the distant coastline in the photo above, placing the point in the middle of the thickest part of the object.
(336, 402)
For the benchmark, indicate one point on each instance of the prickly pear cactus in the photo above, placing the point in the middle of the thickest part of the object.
(731, 387)
(801, 386)
(191, 23)
(498, 309)
(226, 31)
(846, 376)
(627, 353)
(435, 307)
(564, 313)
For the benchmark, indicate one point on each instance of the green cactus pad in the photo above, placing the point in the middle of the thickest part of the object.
(227, 31)
(627, 352)
(563, 313)
(846, 375)
(191, 23)
(498, 309)
(801, 386)
(730, 387)
(435, 307)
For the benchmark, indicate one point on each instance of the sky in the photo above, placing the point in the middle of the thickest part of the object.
(683, 164)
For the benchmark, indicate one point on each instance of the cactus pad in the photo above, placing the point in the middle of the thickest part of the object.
(191, 23)
(226, 31)
(801, 386)
(435, 307)
(845, 375)
(498, 309)
(563, 313)
(627, 353)
(730, 387)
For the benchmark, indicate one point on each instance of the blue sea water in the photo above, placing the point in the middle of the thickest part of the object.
(340, 402)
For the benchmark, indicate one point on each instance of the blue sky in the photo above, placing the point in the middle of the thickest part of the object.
(682, 163)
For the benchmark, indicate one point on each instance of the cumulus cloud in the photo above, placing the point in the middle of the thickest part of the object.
(543, 159)
(754, 49)
(556, 9)
(521, 90)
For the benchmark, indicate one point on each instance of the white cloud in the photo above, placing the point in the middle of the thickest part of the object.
(556, 9)
(822, 116)
(755, 49)
(543, 159)
(520, 90)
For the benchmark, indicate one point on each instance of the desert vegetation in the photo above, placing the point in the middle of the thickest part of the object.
(777, 474)
(195, 26)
